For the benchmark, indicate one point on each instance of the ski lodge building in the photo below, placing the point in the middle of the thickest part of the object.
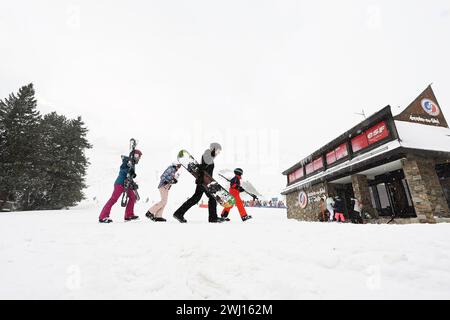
(397, 166)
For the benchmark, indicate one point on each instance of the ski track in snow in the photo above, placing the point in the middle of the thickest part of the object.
(68, 255)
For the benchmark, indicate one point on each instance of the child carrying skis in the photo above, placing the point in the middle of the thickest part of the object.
(126, 175)
(168, 178)
(235, 190)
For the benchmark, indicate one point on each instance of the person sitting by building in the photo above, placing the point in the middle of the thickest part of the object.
(356, 213)
(330, 207)
(339, 209)
(322, 216)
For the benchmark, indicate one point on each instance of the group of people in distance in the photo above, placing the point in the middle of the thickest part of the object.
(169, 178)
(335, 207)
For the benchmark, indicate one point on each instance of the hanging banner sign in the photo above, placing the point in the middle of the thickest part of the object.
(377, 133)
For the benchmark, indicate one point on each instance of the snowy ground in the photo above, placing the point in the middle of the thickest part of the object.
(68, 255)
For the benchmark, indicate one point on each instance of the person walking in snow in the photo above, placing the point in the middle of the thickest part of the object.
(168, 178)
(206, 167)
(330, 207)
(235, 190)
(126, 175)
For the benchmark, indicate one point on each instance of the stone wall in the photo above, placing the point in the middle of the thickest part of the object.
(425, 188)
(312, 211)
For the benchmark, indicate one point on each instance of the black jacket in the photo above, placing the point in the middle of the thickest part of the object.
(339, 205)
(235, 183)
(206, 166)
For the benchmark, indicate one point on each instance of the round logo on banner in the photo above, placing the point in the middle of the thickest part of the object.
(430, 107)
(303, 199)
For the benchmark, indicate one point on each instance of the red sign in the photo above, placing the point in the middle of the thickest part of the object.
(309, 168)
(377, 133)
(303, 199)
(341, 151)
(359, 142)
(331, 157)
(318, 164)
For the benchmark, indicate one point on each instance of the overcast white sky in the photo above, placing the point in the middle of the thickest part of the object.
(270, 80)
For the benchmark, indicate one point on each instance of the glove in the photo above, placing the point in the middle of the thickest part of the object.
(135, 186)
(133, 175)
(174, 181)
(241, 189)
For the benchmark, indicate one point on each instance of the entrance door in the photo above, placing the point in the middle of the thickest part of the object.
(400, 200)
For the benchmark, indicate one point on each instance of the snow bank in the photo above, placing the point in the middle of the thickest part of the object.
(68, 255)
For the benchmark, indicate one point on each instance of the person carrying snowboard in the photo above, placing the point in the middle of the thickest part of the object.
(235, 190)
(206, 166)
(168, 178)
(126, 175)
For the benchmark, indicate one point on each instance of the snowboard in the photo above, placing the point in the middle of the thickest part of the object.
(222, 196)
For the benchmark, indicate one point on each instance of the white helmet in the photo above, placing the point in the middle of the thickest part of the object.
(215, 146)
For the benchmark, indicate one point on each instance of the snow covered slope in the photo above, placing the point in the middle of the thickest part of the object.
(68, 255)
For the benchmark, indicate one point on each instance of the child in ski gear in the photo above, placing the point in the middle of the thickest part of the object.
(235, 190)
(339, 208)
(206, 166)
(330, 207)
(126, 175)
(168, 178)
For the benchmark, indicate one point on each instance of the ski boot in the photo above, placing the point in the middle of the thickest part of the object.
(132, 218)
(105, 220)
(217, 220)
(225, 218)
(150, 215)
(180, 219)
(247, 217)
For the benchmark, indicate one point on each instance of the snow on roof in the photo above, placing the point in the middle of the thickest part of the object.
(363, 157)
(423, 137)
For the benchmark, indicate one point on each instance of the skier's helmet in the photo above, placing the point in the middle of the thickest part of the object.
(238, 171)
(215, 148)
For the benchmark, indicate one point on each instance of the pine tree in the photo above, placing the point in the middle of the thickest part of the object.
(19, 177)
(63, 159)
(42, 159)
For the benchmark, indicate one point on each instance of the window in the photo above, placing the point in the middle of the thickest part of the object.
(331, 157)
(383, 196)
(341, 151)
(372, 198)
(309, 168)
(297, 174)
(408, 197)
(318, 164)
(359, 142)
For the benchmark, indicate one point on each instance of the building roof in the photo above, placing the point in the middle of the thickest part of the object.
(412, 136)
(349, 164)
(423, 137)
(357, 129)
